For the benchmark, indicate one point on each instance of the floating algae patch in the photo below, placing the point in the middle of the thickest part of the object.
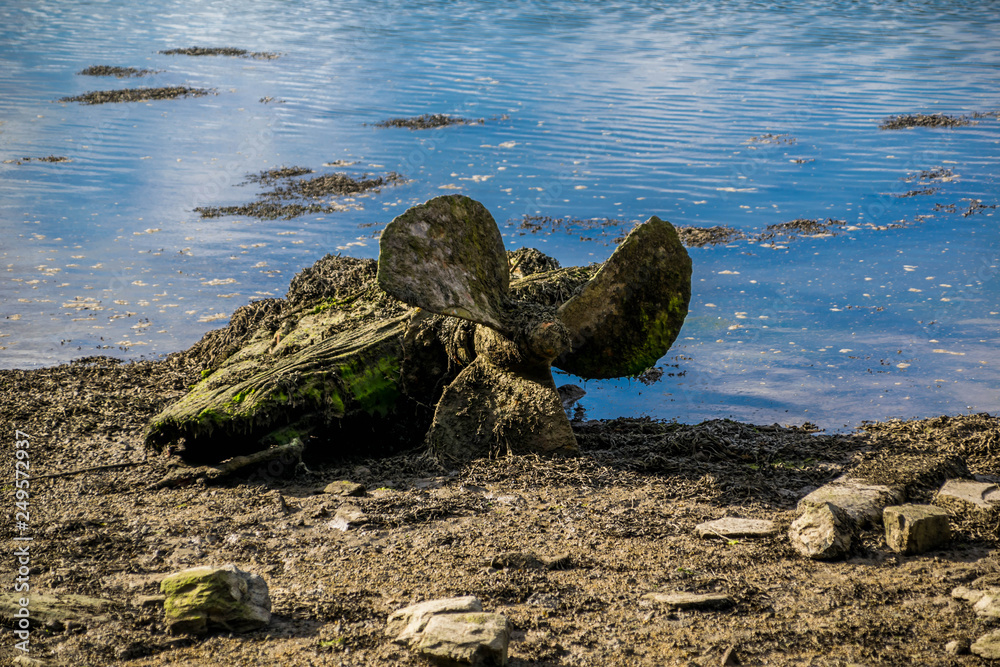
(800, 226)
(274, 175)
(428, 121)
(292, 197)
(917, 193)
(693, 237)
(50, 158)
(907, 121)
(338, 184)
(220, 51)
(939, 174)
(769, 138)
(266, 210)
(137, 95)
(699, 237)
(119, 72)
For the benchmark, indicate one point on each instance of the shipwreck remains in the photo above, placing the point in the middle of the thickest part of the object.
(364, 358)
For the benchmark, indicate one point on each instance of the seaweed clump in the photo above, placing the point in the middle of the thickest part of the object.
(295, 196)
(699, 237)
(119, 72)
(800, 226)
(428, 121)
(907, 121)
(220, 51)
(136, 95)
(50, 158)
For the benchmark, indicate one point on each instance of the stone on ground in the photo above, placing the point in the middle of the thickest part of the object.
(914, 529)
(957, 647)
(215, 598)
(452, 631)
(63, 609)
(516, 560)
(344, 487)
(406, 624)
(682, 600)
(466, 639)
(862, 502)
(732, 527)
(823, 532)
(347, 518)
(970, 493)
(987, 646)
(984, 595)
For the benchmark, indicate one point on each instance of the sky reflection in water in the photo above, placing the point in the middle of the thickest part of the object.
(617, 110)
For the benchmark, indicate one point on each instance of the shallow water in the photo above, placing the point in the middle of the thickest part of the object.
(592, 110)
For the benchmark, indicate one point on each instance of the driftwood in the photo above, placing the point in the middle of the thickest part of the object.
(284, 455)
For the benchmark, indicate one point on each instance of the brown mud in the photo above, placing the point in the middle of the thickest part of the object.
(565, 547)
(137, 95)
(618, 521)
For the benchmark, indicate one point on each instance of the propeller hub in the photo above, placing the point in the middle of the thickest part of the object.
(548, 340)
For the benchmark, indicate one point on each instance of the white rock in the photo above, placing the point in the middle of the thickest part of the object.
(731, 527)
(984, 597)
(987, 646)
(347, 517)
(822, 532)
(863, 503)
(476, 639)
(914, 529)
(406, 624)
(957, 647)
(979, 494)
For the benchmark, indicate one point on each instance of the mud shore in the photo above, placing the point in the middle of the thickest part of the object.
(620, 519)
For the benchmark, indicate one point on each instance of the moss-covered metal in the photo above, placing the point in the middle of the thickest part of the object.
(629, 314)
(347, 366)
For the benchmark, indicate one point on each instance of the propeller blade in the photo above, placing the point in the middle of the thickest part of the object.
(490, 410)
(447, 256)
(628, 315)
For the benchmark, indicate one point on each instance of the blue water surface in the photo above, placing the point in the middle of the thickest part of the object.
(724, 113)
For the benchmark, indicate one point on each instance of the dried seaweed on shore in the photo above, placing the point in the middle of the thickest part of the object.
(428, 121)
(220, 51)
(119, 72)
(906, 121)
(137, 95)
